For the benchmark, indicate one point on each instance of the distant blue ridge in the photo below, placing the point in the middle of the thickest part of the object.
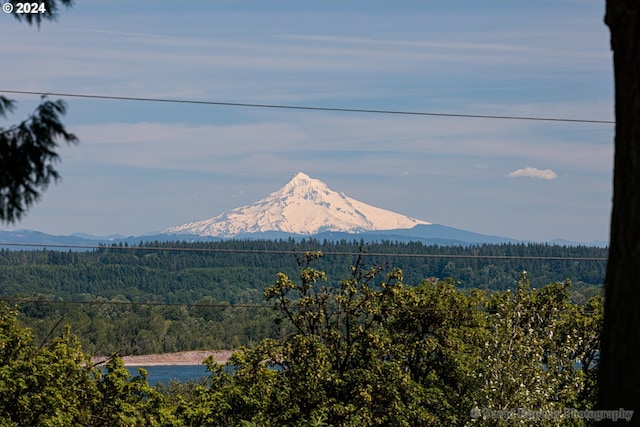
(433, 234)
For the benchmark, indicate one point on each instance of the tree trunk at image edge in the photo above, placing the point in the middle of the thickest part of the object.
(619, 377)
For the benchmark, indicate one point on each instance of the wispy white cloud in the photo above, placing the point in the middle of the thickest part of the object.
(395, 141)
(452, 47)
(533, 173)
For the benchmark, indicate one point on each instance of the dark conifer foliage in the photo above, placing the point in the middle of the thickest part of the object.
(237, 271)
(112, 296)
(28, 155)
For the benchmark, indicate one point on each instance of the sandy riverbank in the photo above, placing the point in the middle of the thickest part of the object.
(172, 359)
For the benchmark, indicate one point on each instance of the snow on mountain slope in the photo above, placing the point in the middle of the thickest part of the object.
(303, 206)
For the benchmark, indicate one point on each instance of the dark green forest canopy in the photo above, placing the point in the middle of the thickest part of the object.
(237, 271)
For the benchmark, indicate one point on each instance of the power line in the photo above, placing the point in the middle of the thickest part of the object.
(307, 108)
(292, 252)
(225, 306)
(135, 303)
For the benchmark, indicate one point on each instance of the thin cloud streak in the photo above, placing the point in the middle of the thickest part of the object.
(178, 145)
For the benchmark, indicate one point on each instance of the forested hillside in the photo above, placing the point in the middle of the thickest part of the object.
(165, 297)
(238, 271)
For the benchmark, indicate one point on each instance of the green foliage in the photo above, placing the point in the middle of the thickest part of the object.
(377, 352)
(129, 401)
(110, 326)
(237, 272)
(55, 384)
(370, 351)
(49, 385)
(203, 285)
(436, 331)
(540, 351)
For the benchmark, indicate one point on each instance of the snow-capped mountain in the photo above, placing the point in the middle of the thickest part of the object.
(304, 206)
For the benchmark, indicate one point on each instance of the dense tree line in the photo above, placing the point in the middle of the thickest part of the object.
(112, 297)
(238, 271)
(370, 351)
(106, 327)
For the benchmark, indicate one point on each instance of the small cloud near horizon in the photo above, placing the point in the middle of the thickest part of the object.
(533, 173)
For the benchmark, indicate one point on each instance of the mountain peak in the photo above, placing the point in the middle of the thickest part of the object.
(301, 177)
(303, 206)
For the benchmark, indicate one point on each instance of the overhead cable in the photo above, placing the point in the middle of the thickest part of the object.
(298, 251)
(307, 108)
(235, 306)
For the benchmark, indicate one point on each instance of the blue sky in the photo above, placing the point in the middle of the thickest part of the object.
(141, 167)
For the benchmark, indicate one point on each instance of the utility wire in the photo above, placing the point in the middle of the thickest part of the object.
(136, 303)
(300, 251)
(225, 306)
(307, 108)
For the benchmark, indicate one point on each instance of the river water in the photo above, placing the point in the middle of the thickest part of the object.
(163, 374)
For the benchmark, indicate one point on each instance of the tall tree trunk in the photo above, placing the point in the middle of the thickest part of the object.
(619, 377)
